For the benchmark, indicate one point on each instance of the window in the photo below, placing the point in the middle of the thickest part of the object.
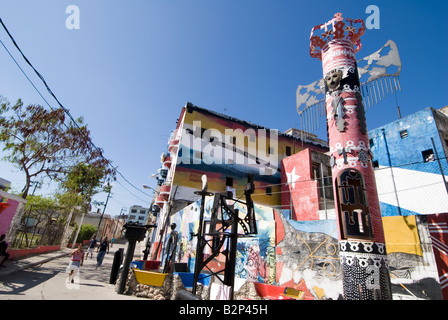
(404, 134)
(141, 218)
(142, 211)
(252, 137)
(269, 191)
(428, 155)
(288, 150)
(134, 211)
(317, 174)
(371, 142)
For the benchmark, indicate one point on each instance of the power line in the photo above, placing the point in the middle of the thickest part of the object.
(66, 111)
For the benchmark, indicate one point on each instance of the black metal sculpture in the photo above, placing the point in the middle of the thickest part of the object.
(220, 234)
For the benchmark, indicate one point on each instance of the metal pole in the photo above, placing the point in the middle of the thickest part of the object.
(127, 262)
(199, 245)
(230, 272)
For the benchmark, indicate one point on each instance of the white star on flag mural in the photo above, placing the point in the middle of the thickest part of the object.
(292, 177)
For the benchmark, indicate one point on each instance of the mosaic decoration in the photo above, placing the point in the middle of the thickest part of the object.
(364, 266)
(353, 205)
(307, 255)
(378, 75)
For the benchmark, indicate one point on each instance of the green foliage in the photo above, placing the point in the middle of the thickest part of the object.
(84, 180)
(86, 232)
(41, 143)
(40, 203)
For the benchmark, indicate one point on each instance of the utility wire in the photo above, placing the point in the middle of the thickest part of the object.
(54, 96)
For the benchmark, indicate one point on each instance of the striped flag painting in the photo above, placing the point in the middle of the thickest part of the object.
(438, 229)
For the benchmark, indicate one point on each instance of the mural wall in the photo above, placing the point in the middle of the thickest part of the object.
(228, 150)
(438, 230)
(304, 256)
(299, 189)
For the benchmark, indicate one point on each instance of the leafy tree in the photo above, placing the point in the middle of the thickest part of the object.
(41, 143)
(40, 212)
(86, 232)
(85, 180)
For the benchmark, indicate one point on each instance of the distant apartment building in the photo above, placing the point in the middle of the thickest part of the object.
(137, 214)
(4, 184)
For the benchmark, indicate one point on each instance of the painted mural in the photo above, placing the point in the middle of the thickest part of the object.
(412, 265)
(228, 150)
(438, 229)
(304, 256)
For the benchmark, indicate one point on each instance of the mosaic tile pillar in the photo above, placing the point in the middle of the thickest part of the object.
(361, 237)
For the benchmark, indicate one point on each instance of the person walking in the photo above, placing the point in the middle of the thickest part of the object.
(102, 249)
(4, 255)
(76, 260)
(92, 245)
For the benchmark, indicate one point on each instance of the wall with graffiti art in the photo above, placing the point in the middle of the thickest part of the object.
(303, 256)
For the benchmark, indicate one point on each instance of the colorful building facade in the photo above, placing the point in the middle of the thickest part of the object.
(410, 161)
(296, 247)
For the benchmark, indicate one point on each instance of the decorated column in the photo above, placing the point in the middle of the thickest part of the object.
(361, 237)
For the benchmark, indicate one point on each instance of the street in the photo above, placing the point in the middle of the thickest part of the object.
(48, 281)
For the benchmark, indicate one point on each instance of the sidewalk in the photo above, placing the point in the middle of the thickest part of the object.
(14, 265)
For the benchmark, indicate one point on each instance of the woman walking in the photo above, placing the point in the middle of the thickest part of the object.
(76, 260)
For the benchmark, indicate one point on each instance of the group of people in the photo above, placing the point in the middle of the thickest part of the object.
(77, 256)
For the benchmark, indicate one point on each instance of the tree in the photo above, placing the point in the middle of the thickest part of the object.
(86, 232)
(85, 180)
(41, 212)
(41, 143)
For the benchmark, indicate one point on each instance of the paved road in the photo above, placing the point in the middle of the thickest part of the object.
(49, 282)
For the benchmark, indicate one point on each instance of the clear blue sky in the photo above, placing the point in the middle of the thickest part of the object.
(133, 65)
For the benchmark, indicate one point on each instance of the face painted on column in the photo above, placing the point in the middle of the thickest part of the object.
(333, 80)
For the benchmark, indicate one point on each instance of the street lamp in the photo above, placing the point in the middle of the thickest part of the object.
(145, 186)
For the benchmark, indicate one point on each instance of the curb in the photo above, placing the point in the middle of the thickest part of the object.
(16, 267)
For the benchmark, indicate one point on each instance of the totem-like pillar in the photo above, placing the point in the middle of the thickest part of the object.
(362, 249)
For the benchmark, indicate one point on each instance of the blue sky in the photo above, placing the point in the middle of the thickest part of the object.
(133, 65)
